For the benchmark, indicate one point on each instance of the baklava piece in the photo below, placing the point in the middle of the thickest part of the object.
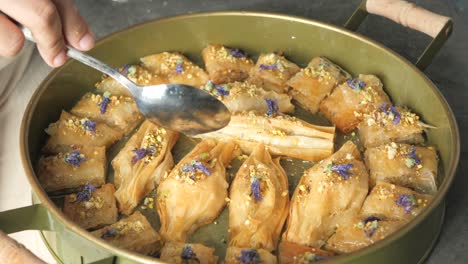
(133, 233)
(181, 253)
(272, 71)
(348, 102)
(72, 169)
(259, 202)
(283, 135)
(141, 163)
(390, 124)
(243, 96)
(225, 65)
(406, 165)
(71, 130)
(292, 253)
(116, 111)
(313, 83)
(137, 74)
(388, 201)
(195, 191)
(176, 68)
(327, 193)
(92, 207)
(361, 232)
(236, 255)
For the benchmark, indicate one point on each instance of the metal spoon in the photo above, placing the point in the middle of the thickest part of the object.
(177, 107)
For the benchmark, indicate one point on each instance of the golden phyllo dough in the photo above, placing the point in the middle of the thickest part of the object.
(283, 135)
(119, 112)
(348, 102)
(272, 71)
(72, 169)
(406, 165)
(141, 163)
(92, 207)
(259, 202)
(327, 193)
(225, 65)
(313, 83)
(133, 233)
(195, 191)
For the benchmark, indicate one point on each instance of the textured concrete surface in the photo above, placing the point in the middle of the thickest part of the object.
(448, 71)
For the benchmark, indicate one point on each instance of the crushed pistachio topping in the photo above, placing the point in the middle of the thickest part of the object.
(249, 256)
(369, 225)
(223, 53)
(383, 116)
(407, 201)
(104, 102)
(122, 228)
(319, 71)
(272, 107)
(148, 203)
(75, 158)
(151, 146)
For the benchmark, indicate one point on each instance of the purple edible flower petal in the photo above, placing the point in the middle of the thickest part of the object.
(272, 107)
(104, 103)
(89, 125)
(413, 156)
(249, 256)
(237, 53)
(180, 67)
(75, 158)
(396, 115)
(125, 69)
(255, 190)
(141, 153)
(343, 170)
(196, 165)
(221, 90)
(383, 107)
(268, 67)
(356, 84)
(109, 233)
(408, 201)
(373, 228)
(187, 254)
(86, 193)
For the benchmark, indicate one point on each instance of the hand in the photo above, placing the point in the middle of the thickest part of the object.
(52, 23)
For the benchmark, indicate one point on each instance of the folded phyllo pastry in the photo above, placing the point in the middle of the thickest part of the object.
(292, 253)
(92, 207)
(329, 191)
(283, 135)
(176, 68)
(390, 124)
(141, 163)
(272, 71)
(405, 165)
(244, 96)
(388, 201)
(72, 169)
(225, 65)
(136, 74)
(236, 255)
(133, 233)
(361, 232)
(195, 191)
(313, 83)
(71, 130)
(348, 102)
(180, 253)
(259, 202)
(116, 111)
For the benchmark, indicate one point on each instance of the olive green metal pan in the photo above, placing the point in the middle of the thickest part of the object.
(300, 39)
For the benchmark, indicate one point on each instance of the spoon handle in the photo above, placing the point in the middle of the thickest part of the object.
(90, 61)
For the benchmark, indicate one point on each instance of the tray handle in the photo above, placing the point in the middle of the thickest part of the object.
(32, 217)
(409, 15)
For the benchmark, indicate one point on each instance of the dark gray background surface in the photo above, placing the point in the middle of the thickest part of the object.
(449, 70)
